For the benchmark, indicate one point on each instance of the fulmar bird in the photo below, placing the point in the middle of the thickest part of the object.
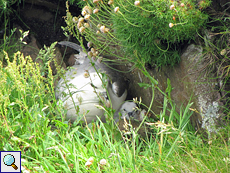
(82, 91)
(129, 111)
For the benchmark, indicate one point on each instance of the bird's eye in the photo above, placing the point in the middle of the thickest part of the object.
(124, 109)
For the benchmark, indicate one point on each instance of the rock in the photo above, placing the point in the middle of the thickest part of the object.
(71, 60)
(41, 19)
(190, 82)
(32, 49)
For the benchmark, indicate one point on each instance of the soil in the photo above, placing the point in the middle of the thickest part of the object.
(43, 19)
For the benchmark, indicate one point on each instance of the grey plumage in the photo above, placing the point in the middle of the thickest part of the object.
(129, 110)
(84, 83)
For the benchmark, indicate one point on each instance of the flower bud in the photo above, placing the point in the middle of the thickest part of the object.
(116, 9)
(81, 19)
(110, 2)
(88, 164)
(87, 17)
(89, 44)
(83, 13)
(93, 50)
(90, 160)
(86, 25)
(75, 19)
(182, 4)
(102, 162)
(87, 9)
(95, 11)
(90, 54)
(223, 52)
(81, 29)
(102, 29)
(171, 25)
(137, 3)
(172, 7)
(79, 25)
(96, 1)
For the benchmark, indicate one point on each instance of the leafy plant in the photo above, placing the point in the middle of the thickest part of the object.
(152, 29)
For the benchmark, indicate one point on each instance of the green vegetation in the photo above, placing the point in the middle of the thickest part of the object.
(34, 123)
(151, 29)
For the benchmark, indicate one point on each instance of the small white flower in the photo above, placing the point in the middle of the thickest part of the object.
(95, 11)
(83, 13)
(223, 52)
(137, 3)
(81, 19)
(86, 25)
(106, 30)
(87, 9)
(102, 29)
(90, 160)
(87, 17)
(171, 25)
(90, 54)
(116, 9)
(75, 19)
(110, 2)
(182, 4)
(89, 44)
(102, 162)
(88, 164)
(95, 1)
(79, 25)
(93, 50)
(81, 29)
(95, 53)
(172, 7)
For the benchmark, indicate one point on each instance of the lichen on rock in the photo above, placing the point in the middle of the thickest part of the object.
(209, 117)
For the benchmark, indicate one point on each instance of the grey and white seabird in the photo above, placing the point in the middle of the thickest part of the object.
(129, 111)
(81, 89)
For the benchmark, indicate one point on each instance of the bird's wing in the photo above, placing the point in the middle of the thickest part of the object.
(73, 46)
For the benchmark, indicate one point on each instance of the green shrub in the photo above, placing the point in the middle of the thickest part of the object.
(150, 29)
(25, 95)
(153, 26)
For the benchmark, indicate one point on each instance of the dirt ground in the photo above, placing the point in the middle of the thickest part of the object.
(43, 19)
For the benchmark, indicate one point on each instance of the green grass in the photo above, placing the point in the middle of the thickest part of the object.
(32, 122)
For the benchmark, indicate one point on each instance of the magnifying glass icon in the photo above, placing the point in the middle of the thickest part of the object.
(9, 160)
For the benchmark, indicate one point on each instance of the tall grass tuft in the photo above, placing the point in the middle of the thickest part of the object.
(32, 122)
